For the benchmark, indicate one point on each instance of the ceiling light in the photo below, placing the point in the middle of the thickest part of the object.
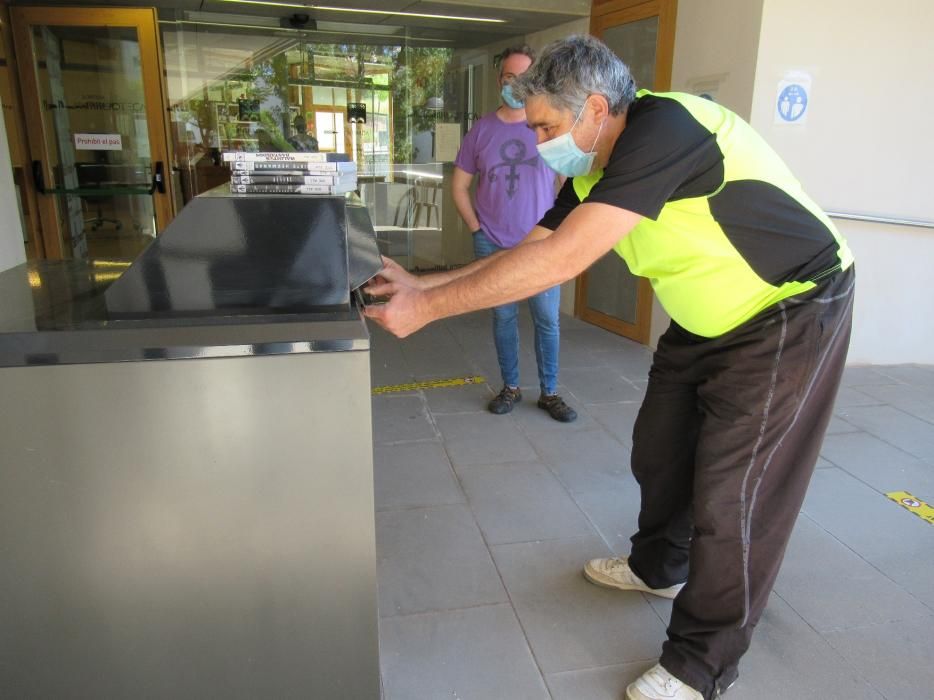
(395, 13)
(288, 30)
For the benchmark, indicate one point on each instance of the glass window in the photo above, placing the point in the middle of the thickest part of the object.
(253, 88)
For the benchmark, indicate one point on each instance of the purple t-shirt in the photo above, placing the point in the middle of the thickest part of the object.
(514, 186)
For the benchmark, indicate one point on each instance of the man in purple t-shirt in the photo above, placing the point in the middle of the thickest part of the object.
(514, 190)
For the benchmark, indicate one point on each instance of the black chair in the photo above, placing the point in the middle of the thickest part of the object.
(98, 176)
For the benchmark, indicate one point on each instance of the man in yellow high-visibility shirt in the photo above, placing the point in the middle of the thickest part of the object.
(759, 286)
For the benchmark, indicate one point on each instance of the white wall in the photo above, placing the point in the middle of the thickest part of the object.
(12, 250)
(866, 148)
(894, 294)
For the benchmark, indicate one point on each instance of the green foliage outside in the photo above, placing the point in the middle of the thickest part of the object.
(416, 74)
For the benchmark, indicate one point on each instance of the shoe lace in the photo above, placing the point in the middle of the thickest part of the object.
(620, 567)
(665, 680)
(556, 405)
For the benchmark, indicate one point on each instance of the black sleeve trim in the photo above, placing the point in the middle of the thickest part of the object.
(663, 154)
(564, 205)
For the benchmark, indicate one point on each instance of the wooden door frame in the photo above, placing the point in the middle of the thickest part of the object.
(16, 130)
(604, 15)
(152, 71)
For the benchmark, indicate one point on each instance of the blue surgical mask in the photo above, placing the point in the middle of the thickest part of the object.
(509, 98)
(563, 156)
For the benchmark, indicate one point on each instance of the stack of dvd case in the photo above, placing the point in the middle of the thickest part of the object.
(291, 173)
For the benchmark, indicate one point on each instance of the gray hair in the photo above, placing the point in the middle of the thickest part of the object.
(569, 70)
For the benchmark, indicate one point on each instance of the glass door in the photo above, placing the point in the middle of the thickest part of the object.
(608, 295)
(92, 85)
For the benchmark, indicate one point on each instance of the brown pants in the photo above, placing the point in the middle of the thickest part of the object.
(723, 450)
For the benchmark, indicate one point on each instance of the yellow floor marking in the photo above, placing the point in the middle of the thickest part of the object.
(915, 505)
(428, 384)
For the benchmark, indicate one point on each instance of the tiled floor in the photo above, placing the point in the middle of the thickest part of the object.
(483, 524)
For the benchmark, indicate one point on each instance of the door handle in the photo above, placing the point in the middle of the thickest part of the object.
(158, 179)
(38, 178)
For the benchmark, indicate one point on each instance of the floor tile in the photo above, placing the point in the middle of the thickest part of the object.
(838, 425)
(632, 363)
(848, 396)
(879, 464)
(912, 571)
(599, 340)
(413, 474)
(911, 375)
(857, 376)
(618, 418)
(467, 398)
(570, 623)
(483, 438)
(896, 427)
(576, 355)
(398, 417)
(599, 385)
(435, 355)
(603, 683)
(533, 419)
(915, 399)
(897, 657)
(433, 559)
(384, 373)
(614, 513)
(586, 460)
(521, 502)
(542, 498)
(833, 588)
(870, 524)
(787, 659)
(460, 654)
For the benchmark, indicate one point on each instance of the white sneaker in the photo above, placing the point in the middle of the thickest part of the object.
(658, 684)
(615, 573)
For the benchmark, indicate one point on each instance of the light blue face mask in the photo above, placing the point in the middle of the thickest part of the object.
(509, 98)
(563, 156)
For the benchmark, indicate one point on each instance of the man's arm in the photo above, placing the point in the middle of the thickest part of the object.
(543, 261)
(460, 191)
(395, 273)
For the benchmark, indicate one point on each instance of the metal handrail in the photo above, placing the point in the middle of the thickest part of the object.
(158, 183)
(918, 223)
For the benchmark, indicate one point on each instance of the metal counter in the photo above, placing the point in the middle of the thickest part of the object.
(186, 500)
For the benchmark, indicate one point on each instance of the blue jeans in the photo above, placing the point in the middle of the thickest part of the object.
(544, 307)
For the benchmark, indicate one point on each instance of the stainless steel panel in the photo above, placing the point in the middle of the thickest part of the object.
(188, 529)
(67, 323)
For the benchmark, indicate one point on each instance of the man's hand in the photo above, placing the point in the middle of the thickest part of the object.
(392, 273)
(406, 311)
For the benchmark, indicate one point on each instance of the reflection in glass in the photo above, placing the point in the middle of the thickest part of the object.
(416, 107)
(97, 137)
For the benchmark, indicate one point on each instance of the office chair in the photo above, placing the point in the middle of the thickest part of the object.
(91, 176)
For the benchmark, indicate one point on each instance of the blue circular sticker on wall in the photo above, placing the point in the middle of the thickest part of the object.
(792, 102)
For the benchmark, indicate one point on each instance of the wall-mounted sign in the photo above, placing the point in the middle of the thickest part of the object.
(447, 141)
(792, 98)
(356, 112)
(98, 142)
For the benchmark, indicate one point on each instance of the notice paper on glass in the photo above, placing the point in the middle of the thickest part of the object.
(447, 141)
